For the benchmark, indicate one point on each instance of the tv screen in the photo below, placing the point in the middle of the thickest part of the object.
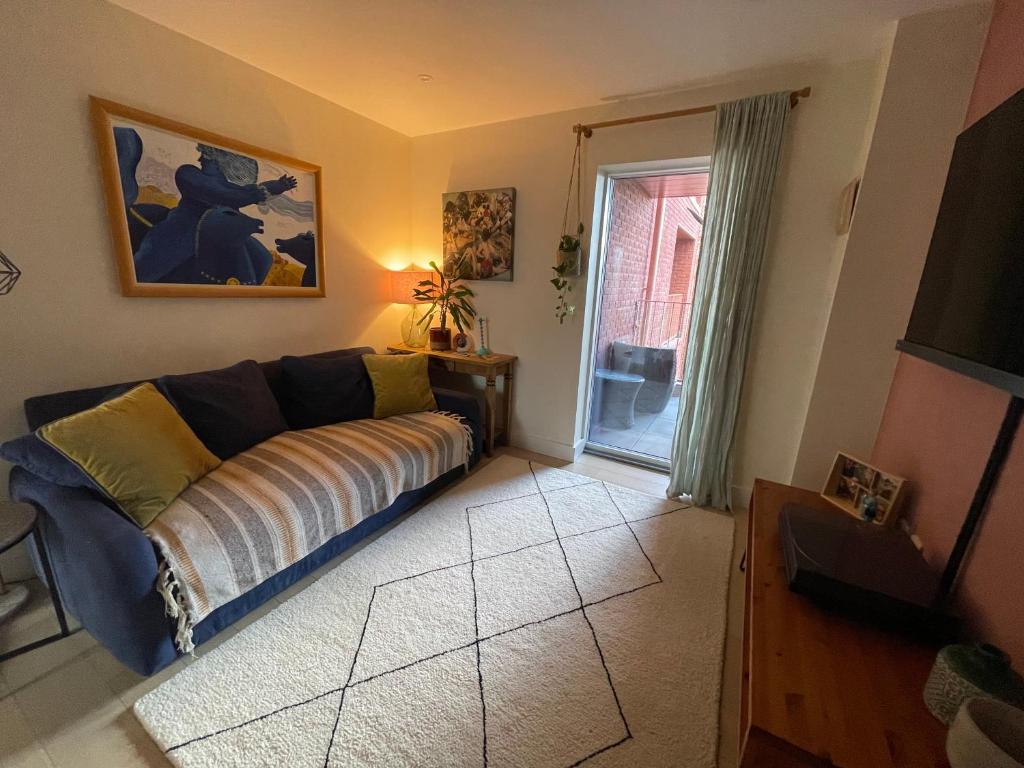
(969, 311)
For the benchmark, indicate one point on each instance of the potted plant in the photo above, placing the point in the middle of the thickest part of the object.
(447, 297)
(570, 253)
(570, 261)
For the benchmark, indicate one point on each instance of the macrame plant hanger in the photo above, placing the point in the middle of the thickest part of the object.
(570, 246)
(575, 173)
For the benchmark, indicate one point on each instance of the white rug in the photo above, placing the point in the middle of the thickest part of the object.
(527, 617)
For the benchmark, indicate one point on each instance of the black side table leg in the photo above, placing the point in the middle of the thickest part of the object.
(58, 608)
(44, 558)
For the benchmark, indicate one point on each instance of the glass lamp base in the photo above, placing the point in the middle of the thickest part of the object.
(414, 334)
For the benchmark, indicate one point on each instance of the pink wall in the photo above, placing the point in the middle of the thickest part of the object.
(938, 427)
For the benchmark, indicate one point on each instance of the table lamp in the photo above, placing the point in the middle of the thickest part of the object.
(403, 284)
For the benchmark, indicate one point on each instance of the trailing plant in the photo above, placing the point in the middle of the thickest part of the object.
(563, 308)
(447, 297)
(565, 269)
(568, 243)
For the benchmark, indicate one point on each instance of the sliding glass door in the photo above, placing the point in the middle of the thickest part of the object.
(652, 229)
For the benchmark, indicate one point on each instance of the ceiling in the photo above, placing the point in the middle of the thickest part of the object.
(676, 185)
(493, 61)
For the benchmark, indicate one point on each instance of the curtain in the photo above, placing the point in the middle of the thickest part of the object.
(744, 167)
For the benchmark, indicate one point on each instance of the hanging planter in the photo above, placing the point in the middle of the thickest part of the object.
(570, 255)
(570, 248)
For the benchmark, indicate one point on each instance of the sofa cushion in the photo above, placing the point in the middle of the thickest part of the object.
(325, 390)
(136, 448)
(230, 409)
(400, 384)
(45, 461)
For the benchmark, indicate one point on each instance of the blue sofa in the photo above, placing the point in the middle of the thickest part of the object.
(105, 567)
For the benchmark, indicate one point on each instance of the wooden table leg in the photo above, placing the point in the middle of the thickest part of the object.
(490, 397)
(506, 382)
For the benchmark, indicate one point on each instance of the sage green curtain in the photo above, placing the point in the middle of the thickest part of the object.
(744, 167)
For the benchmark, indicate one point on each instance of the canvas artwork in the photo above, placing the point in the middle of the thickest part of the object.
(196, 214)
(479, 233)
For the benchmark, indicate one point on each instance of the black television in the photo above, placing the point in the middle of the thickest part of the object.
(969, 311)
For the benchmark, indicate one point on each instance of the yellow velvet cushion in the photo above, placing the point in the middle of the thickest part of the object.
(400, 384)
(136, 448)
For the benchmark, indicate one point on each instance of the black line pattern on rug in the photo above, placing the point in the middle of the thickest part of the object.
(476, 635)
(593, 634)
(581, 608)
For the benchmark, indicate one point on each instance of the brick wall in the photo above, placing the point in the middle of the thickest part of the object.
(625, 274)
(631, 236)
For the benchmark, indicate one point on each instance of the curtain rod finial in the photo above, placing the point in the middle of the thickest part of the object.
(795, 96)
(586, 130)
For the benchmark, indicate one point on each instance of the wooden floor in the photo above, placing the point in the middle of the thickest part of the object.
(69, 704)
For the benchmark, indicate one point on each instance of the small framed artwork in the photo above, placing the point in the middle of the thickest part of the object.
(193, 213)
(478, 233)
(864, 491)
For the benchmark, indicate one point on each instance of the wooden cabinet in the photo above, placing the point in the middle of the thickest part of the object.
(820, 689)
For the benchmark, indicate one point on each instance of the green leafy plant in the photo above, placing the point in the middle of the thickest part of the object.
(563, 308)
(446, 297)
(569, 243)
(567, 266)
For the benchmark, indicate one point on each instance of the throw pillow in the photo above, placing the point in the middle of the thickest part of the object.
(230, 410)
(43, 461)
(136, 448)
(325, 390)
(400, 384)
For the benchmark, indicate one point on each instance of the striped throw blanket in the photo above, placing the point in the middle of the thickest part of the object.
(272, 505)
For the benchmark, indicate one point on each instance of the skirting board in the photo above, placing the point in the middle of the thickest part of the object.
(548, 447)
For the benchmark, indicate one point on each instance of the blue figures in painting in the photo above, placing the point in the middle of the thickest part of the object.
(142, 217)
(201, 236)
(302, 248)
(224, 252)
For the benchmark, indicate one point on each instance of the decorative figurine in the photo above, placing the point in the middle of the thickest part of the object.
(463, 342)
(869, 507)
(483, 350)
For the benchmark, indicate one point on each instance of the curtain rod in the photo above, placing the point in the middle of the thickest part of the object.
(588, 129)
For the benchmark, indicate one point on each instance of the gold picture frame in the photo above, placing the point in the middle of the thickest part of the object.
(216, 202)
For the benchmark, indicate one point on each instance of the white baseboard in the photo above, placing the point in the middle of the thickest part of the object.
(548, 447)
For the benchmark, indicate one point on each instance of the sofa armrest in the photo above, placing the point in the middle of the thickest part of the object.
(468, 407)
(105, 569)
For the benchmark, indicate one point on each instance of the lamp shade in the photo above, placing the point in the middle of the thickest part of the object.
(405, 282)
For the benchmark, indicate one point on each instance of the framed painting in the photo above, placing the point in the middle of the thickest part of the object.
(193, 213)
(478, 232)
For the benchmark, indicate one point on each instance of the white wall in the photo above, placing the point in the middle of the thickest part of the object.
(65, 325)
(825, 151)
(930, 77)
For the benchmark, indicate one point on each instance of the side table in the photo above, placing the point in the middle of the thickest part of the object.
(18, 522)
(489, 367)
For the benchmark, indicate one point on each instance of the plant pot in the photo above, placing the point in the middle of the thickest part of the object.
(973, 669)
(574, 259)
(440, 339)
(986, 734)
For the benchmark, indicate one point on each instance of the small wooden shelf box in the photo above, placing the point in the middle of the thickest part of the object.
(852, 479)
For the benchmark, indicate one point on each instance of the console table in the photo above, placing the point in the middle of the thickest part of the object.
(820, 689)
(489, 367)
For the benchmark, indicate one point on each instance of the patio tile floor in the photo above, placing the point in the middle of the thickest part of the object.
(651, 434)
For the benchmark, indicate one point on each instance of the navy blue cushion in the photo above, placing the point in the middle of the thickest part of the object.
(45, 461)
(325, 390)
(230, 409)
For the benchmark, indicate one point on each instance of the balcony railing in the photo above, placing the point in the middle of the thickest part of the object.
(661, 323)
(664, 324)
